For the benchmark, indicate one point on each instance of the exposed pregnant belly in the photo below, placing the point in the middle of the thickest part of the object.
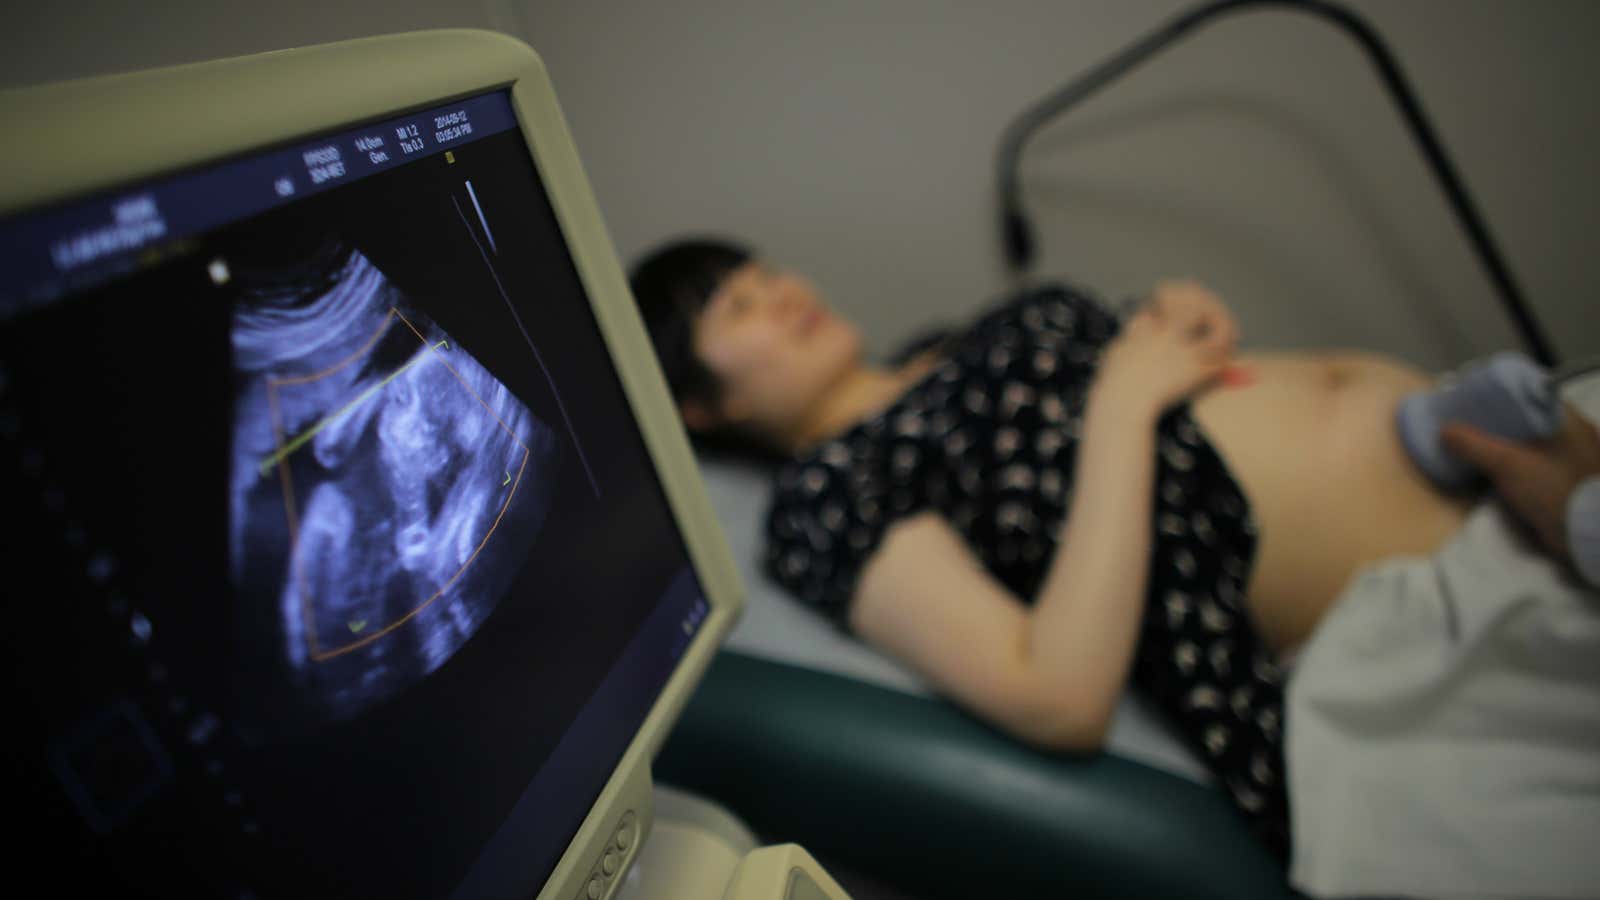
(1312, 444)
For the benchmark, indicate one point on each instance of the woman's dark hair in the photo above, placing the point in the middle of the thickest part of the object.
(672, 284)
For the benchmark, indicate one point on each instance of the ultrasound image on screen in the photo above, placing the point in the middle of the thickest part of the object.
(361, 576)
(384, 488)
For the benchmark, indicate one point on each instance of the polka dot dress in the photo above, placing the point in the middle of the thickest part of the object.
(989, 439)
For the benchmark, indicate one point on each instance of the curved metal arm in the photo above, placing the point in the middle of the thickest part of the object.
(1018, 235)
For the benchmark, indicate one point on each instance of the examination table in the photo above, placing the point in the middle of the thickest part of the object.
(811, 736)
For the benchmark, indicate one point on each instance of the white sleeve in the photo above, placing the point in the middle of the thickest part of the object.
(1583, 529)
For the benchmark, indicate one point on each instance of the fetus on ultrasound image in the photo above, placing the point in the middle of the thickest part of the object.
(385, 487)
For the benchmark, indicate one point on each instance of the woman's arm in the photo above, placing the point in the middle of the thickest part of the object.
(1052, 674)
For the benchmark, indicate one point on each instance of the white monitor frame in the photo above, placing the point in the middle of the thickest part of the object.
(68, 140)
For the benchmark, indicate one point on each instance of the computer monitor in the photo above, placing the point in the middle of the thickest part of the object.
(355, 548)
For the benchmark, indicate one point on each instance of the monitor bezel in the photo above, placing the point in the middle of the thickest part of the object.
(79, 138)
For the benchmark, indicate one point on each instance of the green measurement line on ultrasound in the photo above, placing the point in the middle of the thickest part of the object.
(308, 434)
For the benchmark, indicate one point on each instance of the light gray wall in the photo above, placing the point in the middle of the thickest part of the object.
(58, 39)
(855, 140)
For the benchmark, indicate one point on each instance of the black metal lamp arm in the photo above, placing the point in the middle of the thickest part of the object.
(1018, 236)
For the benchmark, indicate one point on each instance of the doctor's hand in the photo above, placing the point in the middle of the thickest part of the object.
(1534, 480)
(1178, 345)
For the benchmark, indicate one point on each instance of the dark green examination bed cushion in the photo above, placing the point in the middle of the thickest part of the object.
(912, 791)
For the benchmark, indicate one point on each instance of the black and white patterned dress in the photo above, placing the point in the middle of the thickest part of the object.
(989, 440)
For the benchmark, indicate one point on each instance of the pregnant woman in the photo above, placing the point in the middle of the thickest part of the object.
(1037, 509)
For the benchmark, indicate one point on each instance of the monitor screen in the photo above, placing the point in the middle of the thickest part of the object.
(337, 563)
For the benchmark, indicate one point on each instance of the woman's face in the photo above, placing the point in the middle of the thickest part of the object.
(774, 346)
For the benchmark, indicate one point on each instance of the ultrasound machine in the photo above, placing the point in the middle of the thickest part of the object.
(354, 547)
